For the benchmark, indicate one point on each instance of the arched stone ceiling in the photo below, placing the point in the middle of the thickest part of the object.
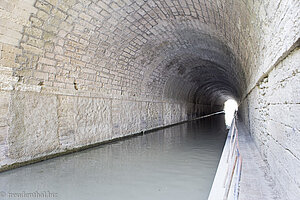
(181, 50)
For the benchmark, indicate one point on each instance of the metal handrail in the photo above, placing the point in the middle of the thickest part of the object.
(226, 182)
(234, 160)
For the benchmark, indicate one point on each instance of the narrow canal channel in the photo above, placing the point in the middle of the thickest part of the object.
(178, 162)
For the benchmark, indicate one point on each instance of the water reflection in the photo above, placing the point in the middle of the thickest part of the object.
(174, 163)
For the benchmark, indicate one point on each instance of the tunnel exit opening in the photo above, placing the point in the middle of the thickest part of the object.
(230, 106)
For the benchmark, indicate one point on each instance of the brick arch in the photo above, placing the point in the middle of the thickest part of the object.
(109, 47)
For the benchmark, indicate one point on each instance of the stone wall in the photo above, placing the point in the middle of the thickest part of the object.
(271, 112)
(36, 124)
(270, 108)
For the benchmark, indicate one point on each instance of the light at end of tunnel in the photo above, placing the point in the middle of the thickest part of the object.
(230, 106)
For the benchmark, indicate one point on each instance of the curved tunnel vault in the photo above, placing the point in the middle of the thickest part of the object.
(205, 70)
(134, 47)
(75, 73)
(105, 69)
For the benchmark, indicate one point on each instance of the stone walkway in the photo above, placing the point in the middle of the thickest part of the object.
(255, 183)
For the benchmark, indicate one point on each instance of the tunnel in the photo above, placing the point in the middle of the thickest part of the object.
(75, 73)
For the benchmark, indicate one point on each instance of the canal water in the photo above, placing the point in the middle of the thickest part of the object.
(178, 162)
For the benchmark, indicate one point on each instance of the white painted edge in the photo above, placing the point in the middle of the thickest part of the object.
(217, 191)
